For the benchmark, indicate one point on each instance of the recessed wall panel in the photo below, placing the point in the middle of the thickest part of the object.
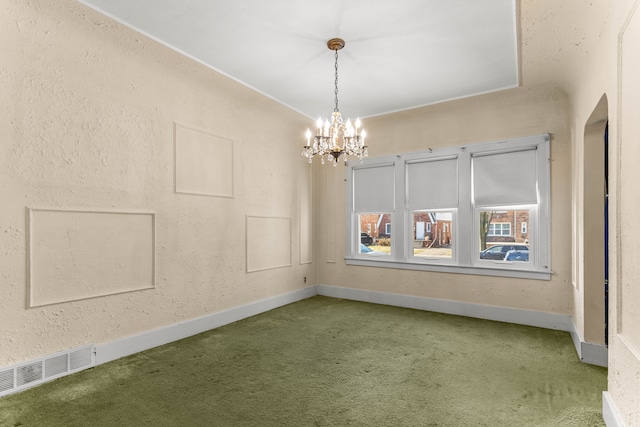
(328, 225)
(268, 243)
(203, 163)
(75, 254)
(306, 214)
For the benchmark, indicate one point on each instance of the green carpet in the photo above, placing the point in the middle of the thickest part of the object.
(332, 362)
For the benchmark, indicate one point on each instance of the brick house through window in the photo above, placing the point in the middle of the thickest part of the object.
(508, 226)
(432, 229)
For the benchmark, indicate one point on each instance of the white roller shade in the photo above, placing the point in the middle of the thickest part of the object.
(373, 189)
(505, 178)
(432, 184)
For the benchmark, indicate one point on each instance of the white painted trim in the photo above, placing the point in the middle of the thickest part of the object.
(458, 269)
(589, 353)
(116, 349)
(593, 354)
(610, 412)
(539, 319)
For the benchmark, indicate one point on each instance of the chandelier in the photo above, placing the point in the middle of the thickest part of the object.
(335, 138)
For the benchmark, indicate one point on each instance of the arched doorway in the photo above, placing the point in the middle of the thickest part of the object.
(595, 249)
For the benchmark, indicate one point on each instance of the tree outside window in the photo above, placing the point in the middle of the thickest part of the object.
(485, 221)
(503, 226)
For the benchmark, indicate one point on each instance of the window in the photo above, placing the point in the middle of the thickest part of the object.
(435, 242)
(478, 209)
(495, 232)
(370, 245)
(373, 204)
(499, 229)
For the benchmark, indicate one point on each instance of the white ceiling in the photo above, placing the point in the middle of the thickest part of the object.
(398, 55)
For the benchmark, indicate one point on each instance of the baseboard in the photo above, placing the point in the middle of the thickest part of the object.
(609, 412)
(589, 353)
(502, 314)
(593, 354)
(116, 349)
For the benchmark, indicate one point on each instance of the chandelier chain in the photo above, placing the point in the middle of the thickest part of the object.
(336, 83)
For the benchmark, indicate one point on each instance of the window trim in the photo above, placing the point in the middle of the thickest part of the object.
(539, 266)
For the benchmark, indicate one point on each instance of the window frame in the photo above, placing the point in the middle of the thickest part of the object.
(465, 231)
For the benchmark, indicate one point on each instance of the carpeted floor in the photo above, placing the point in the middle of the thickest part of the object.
(332, 362)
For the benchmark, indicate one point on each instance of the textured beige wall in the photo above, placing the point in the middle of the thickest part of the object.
(568, 44)
(87, 116)
(624, 346)
(601, 60)
(501, 115)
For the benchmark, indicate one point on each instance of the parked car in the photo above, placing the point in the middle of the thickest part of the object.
(366, 239)
(498, 252)
(517, 255)
(368, 251)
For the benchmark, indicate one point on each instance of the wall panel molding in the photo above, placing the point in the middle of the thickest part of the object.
(268, 243)
(329, 226)
(75, 254)
(203, 162)
(305, 215)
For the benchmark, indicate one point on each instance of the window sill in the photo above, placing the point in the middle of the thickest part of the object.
(480, 271)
